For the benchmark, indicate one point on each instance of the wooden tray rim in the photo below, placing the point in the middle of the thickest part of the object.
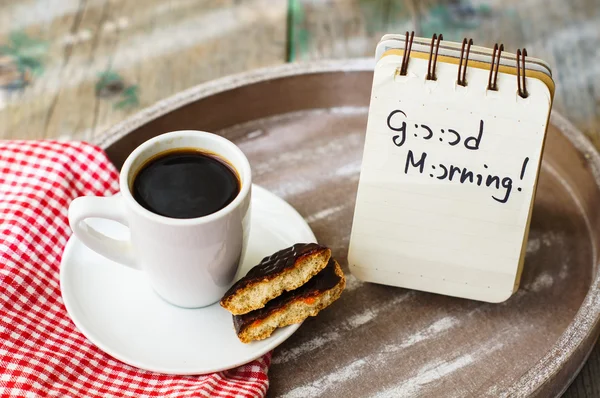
(585, 326)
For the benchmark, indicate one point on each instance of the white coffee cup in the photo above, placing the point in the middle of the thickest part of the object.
(189, 262)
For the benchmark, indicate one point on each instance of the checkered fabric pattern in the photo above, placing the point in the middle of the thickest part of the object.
(41, 352)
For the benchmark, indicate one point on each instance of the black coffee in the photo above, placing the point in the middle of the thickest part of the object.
(185, 183)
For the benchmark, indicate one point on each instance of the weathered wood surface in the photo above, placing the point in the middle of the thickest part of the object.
(72, 68)
(587, 383)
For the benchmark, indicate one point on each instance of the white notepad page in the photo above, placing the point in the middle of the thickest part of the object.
(416, 225)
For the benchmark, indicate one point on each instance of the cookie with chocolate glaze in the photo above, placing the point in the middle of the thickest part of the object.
(293, 306)
(283, 271)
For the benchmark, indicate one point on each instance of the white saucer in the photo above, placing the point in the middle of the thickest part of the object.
(117, 310)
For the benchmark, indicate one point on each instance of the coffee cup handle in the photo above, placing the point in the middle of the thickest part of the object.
(111, 208)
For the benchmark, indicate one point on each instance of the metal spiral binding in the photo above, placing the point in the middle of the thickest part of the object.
(492, 85)
(406, 56)
(462, 66)
(461, 80)
(521, 77)
(430, 70)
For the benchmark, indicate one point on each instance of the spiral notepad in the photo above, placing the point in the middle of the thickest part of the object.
(451, 161)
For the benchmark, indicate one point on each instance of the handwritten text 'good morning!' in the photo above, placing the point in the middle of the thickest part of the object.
(502, 186)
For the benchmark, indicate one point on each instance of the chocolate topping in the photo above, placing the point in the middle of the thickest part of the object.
(326, 279)
(273, 265)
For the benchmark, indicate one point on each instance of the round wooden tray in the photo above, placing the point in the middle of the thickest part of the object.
(302, 127)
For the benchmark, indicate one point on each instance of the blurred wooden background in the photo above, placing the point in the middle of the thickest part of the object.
(71, 68)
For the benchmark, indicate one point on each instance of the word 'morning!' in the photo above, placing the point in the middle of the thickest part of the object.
(462, 175)
(442, 169)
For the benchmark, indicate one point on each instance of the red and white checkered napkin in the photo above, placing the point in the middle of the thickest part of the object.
(41, 352)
